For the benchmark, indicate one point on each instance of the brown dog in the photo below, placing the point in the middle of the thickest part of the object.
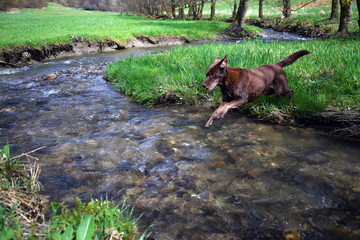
(240, 86)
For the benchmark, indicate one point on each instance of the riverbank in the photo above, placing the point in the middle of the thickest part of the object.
(57, 31)
(324, 93)
(341, 123)
(23, 208)
(22, 55)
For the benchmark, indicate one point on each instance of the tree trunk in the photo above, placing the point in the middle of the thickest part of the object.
(212, 13)
(195, 10)
(201, 9)
(181, 12)
(261, 15)
(173, 12)
(358, 7)
(334, 9)
(287, 8)
(345, 15)
(190, 12)
(240, 16)
(234, 10)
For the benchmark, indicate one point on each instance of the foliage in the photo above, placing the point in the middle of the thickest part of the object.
(92, 220)
(329, 76)
(20, 204)
(5, 4)
(21, 210)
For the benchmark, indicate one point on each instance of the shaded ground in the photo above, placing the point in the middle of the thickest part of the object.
(304, 29)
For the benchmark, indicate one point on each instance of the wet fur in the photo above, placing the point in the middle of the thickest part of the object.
(240, 86)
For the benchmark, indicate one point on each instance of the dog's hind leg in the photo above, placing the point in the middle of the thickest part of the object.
(290, 94)
(281, 88)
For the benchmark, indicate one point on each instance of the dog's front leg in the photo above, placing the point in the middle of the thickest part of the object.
(224, 108)
(215, 114)
(233, 104)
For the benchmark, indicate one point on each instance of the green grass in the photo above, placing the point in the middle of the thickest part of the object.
(56, 24)
(317, 13)
(93, 220)
(329, 76)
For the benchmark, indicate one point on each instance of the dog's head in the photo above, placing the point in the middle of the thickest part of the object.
(215, 73)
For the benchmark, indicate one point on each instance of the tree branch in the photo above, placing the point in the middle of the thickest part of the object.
(303, 6)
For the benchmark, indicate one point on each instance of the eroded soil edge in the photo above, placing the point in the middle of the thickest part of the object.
(22, 55)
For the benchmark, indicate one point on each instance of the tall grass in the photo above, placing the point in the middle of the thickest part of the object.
(56, 24)
(329, 76)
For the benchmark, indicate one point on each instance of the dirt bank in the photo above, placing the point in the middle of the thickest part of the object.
(21, 55)
(344, 124)
(302, 28)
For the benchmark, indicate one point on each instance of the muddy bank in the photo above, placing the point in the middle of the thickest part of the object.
(21, 55)
(344, 124)
(302, 28)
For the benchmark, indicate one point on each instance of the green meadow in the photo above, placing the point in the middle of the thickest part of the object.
(56, 24)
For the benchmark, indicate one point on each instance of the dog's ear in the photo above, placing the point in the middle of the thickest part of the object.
(217, 60)
(224, 62)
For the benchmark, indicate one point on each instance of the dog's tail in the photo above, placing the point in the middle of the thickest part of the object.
(292, 58)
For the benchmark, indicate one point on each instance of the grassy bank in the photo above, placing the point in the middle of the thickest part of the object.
(329, 76)
(314, 15)
(22, 208)
(56, 24)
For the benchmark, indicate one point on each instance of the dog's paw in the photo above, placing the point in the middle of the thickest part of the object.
(209, 123)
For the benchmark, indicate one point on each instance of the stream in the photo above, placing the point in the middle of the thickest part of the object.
(239, 179)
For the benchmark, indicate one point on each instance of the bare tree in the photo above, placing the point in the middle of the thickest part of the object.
(6, 4)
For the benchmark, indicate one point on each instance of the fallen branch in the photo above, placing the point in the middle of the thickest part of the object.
(27, 154)
(294, 10)
(7, 64)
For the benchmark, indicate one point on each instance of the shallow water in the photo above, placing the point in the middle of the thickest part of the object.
(240, 179)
